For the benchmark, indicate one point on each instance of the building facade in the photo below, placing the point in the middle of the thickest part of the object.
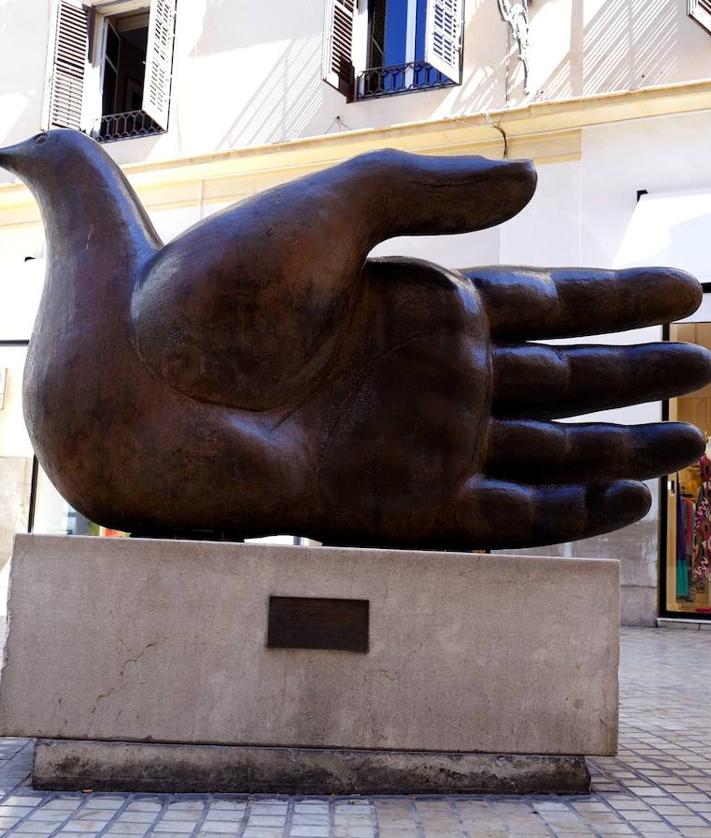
(205, 102)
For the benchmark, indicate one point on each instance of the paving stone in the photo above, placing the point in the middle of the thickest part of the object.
(15, 811)
(104, 802)
(175, 826)
(49, 815)
(129, 816)
(235, 816)
(232, 805)
(315, 818)
(67, 804)
(22, 800)
(144, 806)
(128, 828)
(222, 827)
(267, 820)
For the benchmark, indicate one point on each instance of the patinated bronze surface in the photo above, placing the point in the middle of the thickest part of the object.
(260, 374)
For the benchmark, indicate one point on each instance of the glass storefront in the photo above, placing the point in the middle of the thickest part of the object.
(687, 591)
(15, 451)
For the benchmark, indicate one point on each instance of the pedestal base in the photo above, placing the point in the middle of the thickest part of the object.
(329, 668)
(73, 765)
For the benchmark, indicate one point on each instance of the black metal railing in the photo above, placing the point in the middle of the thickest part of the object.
(121, 126)
(399, 78)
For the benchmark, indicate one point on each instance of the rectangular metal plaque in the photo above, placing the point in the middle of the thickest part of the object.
(315, 623)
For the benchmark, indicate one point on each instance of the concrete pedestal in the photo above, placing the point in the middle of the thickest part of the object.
(242, 646)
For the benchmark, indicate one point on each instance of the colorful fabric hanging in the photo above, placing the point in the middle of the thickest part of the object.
(702, 525)
(684, 541)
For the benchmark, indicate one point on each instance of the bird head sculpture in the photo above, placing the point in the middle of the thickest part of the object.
(31, 161)
(262, 374)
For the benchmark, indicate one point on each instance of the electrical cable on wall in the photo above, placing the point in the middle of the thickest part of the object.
(501, 131)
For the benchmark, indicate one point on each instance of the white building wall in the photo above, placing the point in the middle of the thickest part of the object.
(586, 47)
(246, 75)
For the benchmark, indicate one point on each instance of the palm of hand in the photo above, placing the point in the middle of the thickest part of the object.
(432, 427)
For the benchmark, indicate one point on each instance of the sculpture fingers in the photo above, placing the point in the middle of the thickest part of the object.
(543, 381)
(414, 194)
(381, 194)
(536, 303)
(550, 452)
(505, 515)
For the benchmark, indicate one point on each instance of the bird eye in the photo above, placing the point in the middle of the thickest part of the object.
(40, 138)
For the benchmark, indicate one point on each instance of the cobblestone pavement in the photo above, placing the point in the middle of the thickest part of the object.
(660, 784)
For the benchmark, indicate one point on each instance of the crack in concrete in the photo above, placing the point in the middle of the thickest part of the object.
(122, 672)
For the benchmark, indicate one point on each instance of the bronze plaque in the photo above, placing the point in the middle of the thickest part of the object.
(315, 623)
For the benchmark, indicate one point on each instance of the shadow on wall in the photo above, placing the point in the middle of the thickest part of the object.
(626, 45)
(289, 98)
(292, 22)
(288, 103)
(487, 63)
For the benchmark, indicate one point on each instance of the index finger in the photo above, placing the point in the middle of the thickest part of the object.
(537, 303)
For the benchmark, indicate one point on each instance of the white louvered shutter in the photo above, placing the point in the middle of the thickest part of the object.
(443, 43)
(700, 10)
(338, 45)
(68, 58)
(159, 61)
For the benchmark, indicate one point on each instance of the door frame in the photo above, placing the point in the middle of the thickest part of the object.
(663, 528)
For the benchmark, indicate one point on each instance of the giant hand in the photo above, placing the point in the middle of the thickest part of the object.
(270, 377)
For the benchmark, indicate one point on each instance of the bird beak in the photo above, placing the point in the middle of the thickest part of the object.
(8, 156)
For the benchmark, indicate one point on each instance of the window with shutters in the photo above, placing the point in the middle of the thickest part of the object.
(110, 73)
(700, 10)
(381, 47)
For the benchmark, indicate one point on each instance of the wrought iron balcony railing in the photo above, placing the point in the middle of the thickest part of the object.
(121, 126)
(399, 78)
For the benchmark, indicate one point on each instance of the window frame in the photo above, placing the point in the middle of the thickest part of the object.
(99, 14)
(360, 54)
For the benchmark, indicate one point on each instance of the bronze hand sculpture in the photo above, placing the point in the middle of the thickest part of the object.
(260, 374)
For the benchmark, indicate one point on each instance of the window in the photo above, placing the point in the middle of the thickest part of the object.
(381, 47)
(700, 10)
(110, 72)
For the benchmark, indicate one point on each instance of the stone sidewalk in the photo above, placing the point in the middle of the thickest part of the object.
(660, 784)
